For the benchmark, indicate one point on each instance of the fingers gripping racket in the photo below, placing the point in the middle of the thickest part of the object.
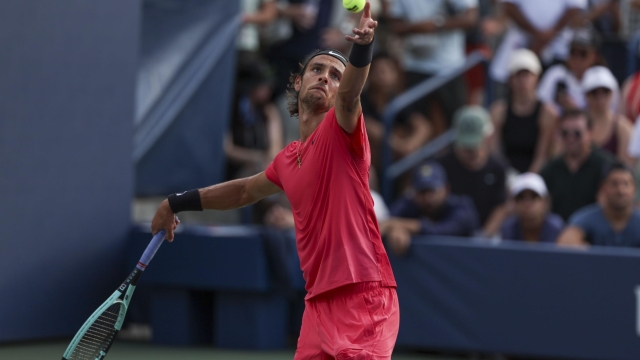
(93, 340)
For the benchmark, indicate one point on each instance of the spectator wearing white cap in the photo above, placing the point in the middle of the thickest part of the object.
(531, 220)
(523, 124)
(561, 84)
(610, 130)
(540, 25)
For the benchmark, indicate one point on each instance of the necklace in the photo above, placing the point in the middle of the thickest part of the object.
(300, 152)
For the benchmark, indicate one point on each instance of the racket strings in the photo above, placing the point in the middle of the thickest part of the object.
(99, 336)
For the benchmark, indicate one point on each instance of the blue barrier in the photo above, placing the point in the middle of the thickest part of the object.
(455, 294)
(213, 285)
(519, 299)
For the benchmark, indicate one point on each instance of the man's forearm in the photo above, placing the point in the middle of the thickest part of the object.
(566, 18)
(225, 196)
(514, 13)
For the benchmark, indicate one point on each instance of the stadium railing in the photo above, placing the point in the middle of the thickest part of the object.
(392, 171)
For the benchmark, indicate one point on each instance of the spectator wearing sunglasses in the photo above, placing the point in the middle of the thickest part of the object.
(614, 221)
(531, 220)
(573, 177)
(611, 131)
(561, 83)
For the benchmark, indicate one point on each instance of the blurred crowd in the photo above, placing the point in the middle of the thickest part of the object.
(549, 155)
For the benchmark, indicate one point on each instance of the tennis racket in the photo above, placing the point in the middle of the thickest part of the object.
(93, 340)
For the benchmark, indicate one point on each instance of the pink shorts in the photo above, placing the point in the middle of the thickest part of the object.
(357, 321)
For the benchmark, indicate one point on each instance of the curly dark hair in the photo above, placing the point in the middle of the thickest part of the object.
(292, 94)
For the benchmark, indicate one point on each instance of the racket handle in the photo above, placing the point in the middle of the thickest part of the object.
(153, 246)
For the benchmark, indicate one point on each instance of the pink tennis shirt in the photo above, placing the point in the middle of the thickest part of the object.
(337, 232)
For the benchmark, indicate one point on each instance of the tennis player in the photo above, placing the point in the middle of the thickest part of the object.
(351, 307)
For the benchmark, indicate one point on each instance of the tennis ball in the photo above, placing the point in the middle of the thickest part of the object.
(354, 6)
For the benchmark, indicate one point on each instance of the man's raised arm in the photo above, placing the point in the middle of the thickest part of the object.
(348, 106)
(226, 196)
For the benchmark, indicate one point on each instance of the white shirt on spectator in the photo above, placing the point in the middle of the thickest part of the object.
(379, 207)
(434, 52)
(634, 141)
(543, 15)
(549, 83)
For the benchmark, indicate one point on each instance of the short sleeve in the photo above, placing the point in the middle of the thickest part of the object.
(272, 174)
(548, 84)
(634, 142)
(580, 4)
(358, 138)
(582, 218)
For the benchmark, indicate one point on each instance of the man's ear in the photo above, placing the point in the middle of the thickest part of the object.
(297, 84)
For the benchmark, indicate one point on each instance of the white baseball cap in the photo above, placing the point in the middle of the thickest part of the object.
(599, 77)
(524, 59)
(529, 181)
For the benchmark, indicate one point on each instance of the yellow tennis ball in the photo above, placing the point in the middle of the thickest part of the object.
(354, 6)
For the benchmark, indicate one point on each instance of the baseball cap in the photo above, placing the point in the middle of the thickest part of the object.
(471, 125)
(599, 77)
(584, 38)
(528, 181)
(429, 176)
(524, 59)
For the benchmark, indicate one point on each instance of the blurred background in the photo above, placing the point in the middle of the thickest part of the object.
(505, 155)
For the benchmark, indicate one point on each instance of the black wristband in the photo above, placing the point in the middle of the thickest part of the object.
(186, 201)
(361, 55)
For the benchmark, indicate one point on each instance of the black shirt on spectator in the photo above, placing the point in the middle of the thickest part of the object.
(571, 191)
(486, 187)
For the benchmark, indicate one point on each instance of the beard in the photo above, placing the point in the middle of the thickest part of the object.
(314, 103)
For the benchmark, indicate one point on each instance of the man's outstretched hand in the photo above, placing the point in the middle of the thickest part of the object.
(364, 34)
(164, 219)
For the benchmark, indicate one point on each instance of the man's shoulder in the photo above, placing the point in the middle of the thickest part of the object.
(590, 214)
(601, 157)
(460, 201)
(554, 220)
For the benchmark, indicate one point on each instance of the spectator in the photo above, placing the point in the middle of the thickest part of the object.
(256, 13)
(410, 131)
(473, 171)
(604, 15)
(431, 210)
(614, 221)
(572, 178)
(611, 131)
(560, 84)
(255, 135)
(524, 125)
(531, 220)
(434, 42)
(309, 18)
(539, 25)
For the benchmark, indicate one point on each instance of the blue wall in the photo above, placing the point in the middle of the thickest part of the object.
(67, 76)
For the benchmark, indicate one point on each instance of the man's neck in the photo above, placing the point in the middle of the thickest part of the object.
(308, 122)
(575, 161)
(618, 218)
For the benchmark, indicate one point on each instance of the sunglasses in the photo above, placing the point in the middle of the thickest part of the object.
(573, 133)
(599, 91)
(579, 53)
